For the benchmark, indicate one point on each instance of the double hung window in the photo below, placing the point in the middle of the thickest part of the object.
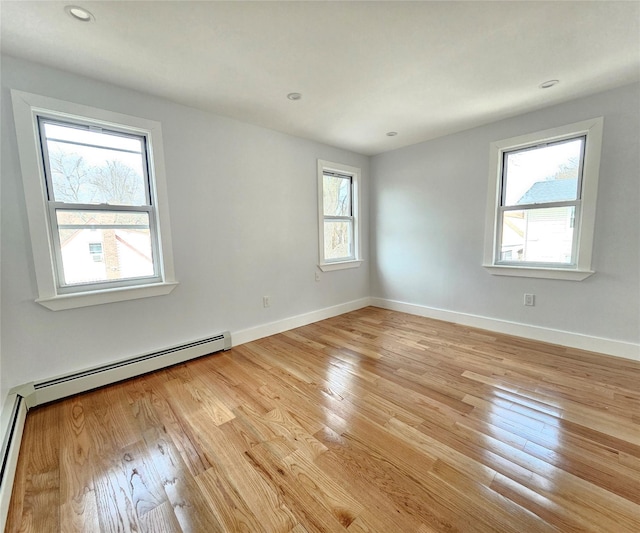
(541, 208)
(96, 201)
(338, 220)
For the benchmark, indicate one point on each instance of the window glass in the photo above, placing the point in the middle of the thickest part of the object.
(542, 235)
(88, 167)
(338, 239)
(337, 196)
(100, 246)
(542, 174)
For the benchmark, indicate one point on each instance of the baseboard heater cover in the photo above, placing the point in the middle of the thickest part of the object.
(14, 414)
(9, 434)
(74, 383)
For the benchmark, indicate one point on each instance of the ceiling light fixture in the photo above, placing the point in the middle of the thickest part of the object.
(392, 133)
(548, 84)
(294, 96)
(79, 13)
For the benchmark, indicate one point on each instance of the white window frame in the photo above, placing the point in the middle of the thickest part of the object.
(585, 213)
(354, 173)
(27, 108)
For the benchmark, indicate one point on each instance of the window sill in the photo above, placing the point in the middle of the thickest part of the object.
(85, 299)
(340, 265)
(544, 273)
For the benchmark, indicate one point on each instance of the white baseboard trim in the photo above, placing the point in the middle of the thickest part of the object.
(14, 414)
(626, 350)
(272, 328)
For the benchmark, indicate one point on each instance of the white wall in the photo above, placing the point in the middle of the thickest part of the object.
(243, 207)
(428, 215)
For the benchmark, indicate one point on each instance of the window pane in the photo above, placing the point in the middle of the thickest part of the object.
(542, 175)
(99, 246)
(338, 239)
(542, 235)
(91, 167)
(336, 196)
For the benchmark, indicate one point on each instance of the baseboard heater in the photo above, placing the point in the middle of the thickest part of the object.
(12, 420)
(11, 423)
(77, 382)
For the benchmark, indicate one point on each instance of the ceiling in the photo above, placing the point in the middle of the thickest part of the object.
(422, 69)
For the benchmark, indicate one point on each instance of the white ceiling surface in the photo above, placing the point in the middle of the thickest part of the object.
(423, 69)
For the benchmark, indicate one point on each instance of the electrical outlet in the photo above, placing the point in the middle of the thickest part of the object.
(530, 299)
(317, 276)
(266, 301)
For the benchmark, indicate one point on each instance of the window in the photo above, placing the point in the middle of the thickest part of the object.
(338, 216)
(95, 199)
(541, 206)
(95, 249)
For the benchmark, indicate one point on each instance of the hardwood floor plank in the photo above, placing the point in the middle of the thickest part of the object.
(40, 478)
(178, 430)
(307, 508)
(160, 519)
(236, 465)
(190, 506)
(225, 501)
(78, 510)
(80, 514)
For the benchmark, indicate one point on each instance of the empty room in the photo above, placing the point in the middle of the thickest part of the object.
(303, 267)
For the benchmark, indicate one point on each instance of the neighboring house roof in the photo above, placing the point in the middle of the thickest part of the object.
(550, 191)
(129, 238)
(66, 238)
(134, 241)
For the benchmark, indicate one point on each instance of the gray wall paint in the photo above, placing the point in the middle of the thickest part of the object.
(243, 207)
(428, 217)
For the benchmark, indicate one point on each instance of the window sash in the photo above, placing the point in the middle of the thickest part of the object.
(351, 255)
(64, 287)
(504, 166)
(539, 264)
(88, 126)
(53, 207)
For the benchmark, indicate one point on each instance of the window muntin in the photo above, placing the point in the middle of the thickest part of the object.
(97, 180)
(338, 223)
(539, 202)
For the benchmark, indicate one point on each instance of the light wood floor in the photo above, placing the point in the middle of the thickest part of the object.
(374, 421)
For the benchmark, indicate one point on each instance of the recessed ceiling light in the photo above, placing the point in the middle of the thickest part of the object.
(549, 83)
(79, 13)
(392, 133)
(294, 96)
